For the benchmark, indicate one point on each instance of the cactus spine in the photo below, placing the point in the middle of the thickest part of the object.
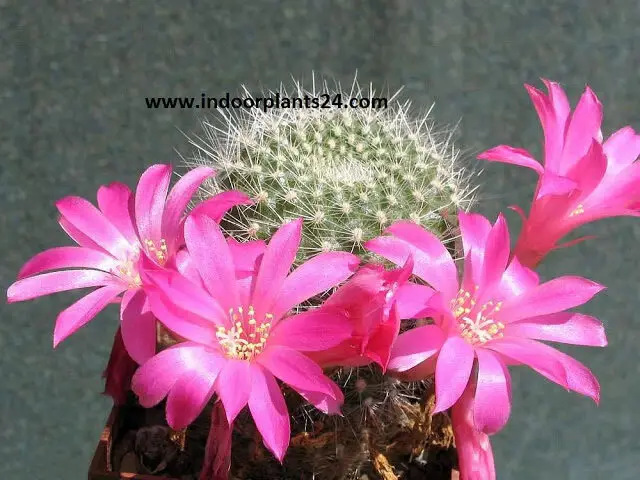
(348, 172)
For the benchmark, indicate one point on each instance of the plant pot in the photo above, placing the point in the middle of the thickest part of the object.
(103, 466)
(137, 443)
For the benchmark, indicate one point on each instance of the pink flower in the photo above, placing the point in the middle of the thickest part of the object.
(373, 301)
(114, 241)
(233, 307)
(475, 456)
(120, 369)
(582, 179)
(217, 455)
(494, 318)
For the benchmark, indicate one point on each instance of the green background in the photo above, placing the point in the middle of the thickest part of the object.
(72, 117)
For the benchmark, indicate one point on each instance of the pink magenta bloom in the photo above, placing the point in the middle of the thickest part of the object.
(113, 241)
(119, 371)
(217, 456)
(373, 301)
(475, 456)
(233, 306)
(493, 318)
(582, 179)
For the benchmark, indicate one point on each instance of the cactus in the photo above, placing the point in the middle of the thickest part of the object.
(348, 172)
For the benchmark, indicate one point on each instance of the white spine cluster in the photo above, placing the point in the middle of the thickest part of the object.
(348, 172)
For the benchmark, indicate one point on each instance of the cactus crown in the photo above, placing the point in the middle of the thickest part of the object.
(348, 172)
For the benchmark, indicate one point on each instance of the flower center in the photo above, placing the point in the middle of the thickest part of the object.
(128, 270)
(247, 337)
(476, 325)
(577, 211)
(160, 252)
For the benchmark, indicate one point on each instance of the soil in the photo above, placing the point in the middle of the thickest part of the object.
(144, 446)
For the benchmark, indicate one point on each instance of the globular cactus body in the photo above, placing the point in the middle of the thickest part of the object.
(348, 172)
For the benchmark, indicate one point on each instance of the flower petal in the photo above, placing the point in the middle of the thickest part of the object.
(411, 299)
(496, 253)
(553, 111)
(217, 456)
(116, 203)
(54, 282)
(153, 380)
(67, 257)
(381, 341)
(514, 156)
(560, 103)
(294, 369)
(565, 327)
(493, 393)
(474, 230)
(179, 321)
(313, 277)
(186, 295)
(422, 371)
(311, 331)
(275, 265)
(77, 236)
(622, 149)
(589, 170)
(188, 396)
(138, 326)
(439, 309)
(269, 412)
(616, 191)
(345, 354)
(552, 185)
(517, 279)
(218, 205)
(415, 346)
(178, 199)
(433, 263)
(246, 256)
(475, 457)
(550, 297)
(583, 127)
(453, 370)
(186, 266)
(329, 405)
(361, 299)
(575, 241)
(151, 194)
(86, 218)
(519, 211)
(119, 371)
(550, 363)
(427, 243)
(210, 252)
(234, 387)
(598, 214)
(82, 311)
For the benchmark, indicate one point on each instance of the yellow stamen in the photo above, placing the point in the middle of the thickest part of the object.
(577, 211)
(247, 337)
(161, 253)
(128, 270)
(479, 327)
